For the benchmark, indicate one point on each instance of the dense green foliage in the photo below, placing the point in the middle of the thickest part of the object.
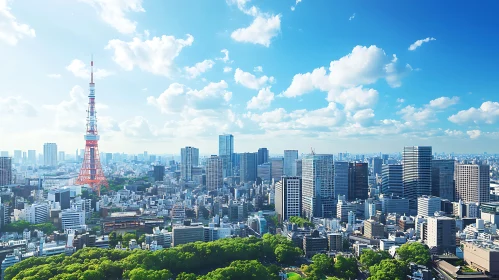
(300, 221)
(198, 258)
(389, 269)
(323, 266)
(370, 258)
(414, 252)
(20, 226)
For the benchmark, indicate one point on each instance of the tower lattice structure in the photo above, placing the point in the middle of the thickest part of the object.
(91, 169)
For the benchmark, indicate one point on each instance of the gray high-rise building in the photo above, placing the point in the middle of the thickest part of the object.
(226, 152)
(32, 157)
(214, 173)
(391, 180)
(159, 173)
(248, 167)
(358, 180)
(50, 154)
(318, 186)
(189, 157)
(298, 168)
(17, 156)
(341, 179)
(62, 156)
(277, 168)
(263, 156)
(377, 166)
(264, 172)
(442, 178)
(5, 171)
(473, 183)
(416, 166)
(290, 157)
(288, 198)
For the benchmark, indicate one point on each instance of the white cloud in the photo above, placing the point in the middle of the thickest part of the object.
(177, 97)
(156, 55)
(54, 76)
(444, 102)
(363, 66)
(354, 98)
(296, 4)
(225, 59)
(15, 106)
(138, 127)
(80, 70)
(199, 68)
(352, 17)
(364, 116)
(11, 31)
(474, 134)
(261, 31)
(400, 100)
(251, 81)
(488, 113)
(262, 100)
(418, 43)
(227, 69)
(113, 12)
(258, 69)
(454, 133)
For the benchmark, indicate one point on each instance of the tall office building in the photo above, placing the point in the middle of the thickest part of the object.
(391, 180)
(62, 156)
(277, 168)
(377, 166)
(248, 167)
(441, 235)
(318, 186)
(290, 157)
(50, 154)
(32, 157)
(189, 157)
(214, 173)
(416, 166)
(159, 173)
(288, 197)
(17, 156)
(298, 168)
(263, 156)
(341, 179)
(358, 180)
(442, 178)
(428, 205)
(4, 154)
(264, 172)
(5, 171)
(226, 152)
(60, 195)
(472, 183)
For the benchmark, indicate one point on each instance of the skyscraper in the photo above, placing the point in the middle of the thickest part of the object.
(377, 166)
(5, 171)
(358, 181)
(442, 178)
(50, 154)
(159, 173)
(290, 157)
(472, 183)
(17, 156)
(391, 180)
(318, 186)
(416, 166)
(248, 167)
(62, 156)
(214, 173)
(341, 179)
(189, 157)
(298, 168)
(263, 156)
(441, 234)
(288, 198)
(32, 157)
(226, 152)
(277, 168)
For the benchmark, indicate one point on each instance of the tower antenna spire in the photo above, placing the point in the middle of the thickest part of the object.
(92, 69)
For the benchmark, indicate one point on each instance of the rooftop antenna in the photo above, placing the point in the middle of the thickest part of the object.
(312, 151)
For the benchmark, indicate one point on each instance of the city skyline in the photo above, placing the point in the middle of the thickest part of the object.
(363, 82)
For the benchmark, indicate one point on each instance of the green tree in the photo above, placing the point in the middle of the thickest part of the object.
(345, 267)
(300, 221)
(287, 254)
(186, 276)
(323, 263)
(127, 237)
(370, 257)
(389, 269)
(414, 252)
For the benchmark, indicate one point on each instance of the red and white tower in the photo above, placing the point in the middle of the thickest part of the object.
(91, 170)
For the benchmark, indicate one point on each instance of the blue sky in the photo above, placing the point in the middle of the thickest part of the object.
(357, 76)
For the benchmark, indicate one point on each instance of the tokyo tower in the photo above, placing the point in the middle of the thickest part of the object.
(91, 170)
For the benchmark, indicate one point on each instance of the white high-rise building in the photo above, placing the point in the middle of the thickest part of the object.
(428, 205)
(318, 186)
(288, 198)
(37, 213)
(472, 183)
(189, 159)
(441, 234)
(50, 154)
(72, 218)
(290, 157)
(416, 167)
(214, 173)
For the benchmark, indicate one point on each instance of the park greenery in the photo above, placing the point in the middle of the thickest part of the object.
(300, 221)
(414, 252)
(20, 226)
(324, 266)
(230, 258)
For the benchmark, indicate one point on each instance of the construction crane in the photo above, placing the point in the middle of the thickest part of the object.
(312, 151)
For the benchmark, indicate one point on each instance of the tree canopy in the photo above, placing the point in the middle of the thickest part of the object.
(300, 221)
(20, 226)
(414, 252)
(389, 269)
(370, 258)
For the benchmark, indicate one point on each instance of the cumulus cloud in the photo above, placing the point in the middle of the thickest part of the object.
(443, 102)
(251, 81)
(352, 17)
(227, 69)
(16, 106)
(225, 59)
(258, 69)
(113, 12)
(199, 68)
(80, 70)
(11, 31)
(262, 100)
(473, 134)
(138, 127)
(427, 112)
(418, 43)
(354, 98)
(487, 113)
(154, 55)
